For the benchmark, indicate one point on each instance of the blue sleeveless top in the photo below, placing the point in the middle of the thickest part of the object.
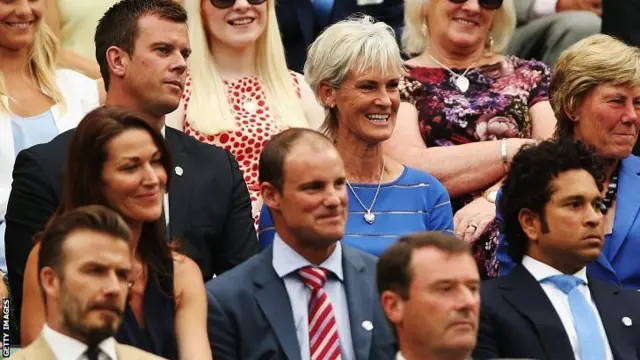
(159, 310)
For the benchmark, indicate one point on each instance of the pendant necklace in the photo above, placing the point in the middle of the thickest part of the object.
(369, 217)
(461, 81)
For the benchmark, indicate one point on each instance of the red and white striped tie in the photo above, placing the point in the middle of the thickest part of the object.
(324, 343)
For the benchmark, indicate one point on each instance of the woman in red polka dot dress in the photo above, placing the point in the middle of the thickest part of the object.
(239, 92)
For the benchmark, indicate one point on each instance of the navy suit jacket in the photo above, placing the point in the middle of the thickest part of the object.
(618, 263)
(250, 315)
(517, 320)
(299, 26)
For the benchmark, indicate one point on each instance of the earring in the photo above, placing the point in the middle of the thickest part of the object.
(424, 29)
(490, 43)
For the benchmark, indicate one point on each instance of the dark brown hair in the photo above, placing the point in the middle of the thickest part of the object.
(274, 154)
(394, 272)
(83, 183)
(119, 26)
(96, 218)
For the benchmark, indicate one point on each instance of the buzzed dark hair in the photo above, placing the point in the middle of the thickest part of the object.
(274, 154)
(393, 270)
(119, 26)
(96, 218)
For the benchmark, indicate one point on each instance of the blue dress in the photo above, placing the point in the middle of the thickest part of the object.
(159, 310)
(415, 202)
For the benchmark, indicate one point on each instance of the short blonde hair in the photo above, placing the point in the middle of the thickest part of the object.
(357, 44)
(209, 110)
(42, 57)
(414, 38)
(595, 60)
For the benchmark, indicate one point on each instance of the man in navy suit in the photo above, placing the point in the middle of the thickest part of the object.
(547, 308)
(430, 291)
(307, 295)
(301, 21)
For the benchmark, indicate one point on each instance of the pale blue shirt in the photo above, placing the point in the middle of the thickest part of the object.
(26, 133)
(286, 262)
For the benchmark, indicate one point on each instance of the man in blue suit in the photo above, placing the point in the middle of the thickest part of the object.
(301, 21)
(547, 308)
(307, 295)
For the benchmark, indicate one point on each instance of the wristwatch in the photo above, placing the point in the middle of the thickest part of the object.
(490, 195)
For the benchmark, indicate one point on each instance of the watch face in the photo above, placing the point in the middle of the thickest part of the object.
(491, 196)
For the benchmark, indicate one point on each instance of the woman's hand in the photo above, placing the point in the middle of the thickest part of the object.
(472, 220)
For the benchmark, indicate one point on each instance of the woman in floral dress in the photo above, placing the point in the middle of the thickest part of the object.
(466, 109)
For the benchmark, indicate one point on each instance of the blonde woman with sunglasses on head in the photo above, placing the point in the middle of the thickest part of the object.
(240, 92)
(466, 109)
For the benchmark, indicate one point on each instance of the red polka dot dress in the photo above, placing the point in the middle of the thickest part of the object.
(255, 127)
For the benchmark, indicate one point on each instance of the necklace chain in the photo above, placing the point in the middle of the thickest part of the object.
(375, 197)
(449, 69)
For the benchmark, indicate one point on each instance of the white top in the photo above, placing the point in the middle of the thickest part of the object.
(560, 302)
(81, 96)
(67, 348)
(286, 262)
(543, 8)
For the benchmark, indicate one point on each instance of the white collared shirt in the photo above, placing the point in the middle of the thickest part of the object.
(560, 302)
(166, 194)
(286, 262)
(67, 348)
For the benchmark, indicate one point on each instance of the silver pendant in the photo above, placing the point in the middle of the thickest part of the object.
(250, 106)
(462, 83)
(369, 217)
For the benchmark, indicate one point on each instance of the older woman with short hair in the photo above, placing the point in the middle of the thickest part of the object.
(354, 68)
(595, 94)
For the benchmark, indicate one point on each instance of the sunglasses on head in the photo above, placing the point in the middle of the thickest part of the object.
(225, 4)
(487, 4)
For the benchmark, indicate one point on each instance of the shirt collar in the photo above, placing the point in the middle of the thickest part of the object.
(286, 260)
(541, 271)
(163, 131)
(65, 347)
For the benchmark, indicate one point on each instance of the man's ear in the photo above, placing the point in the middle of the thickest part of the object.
(270, 196)
(117, 60)
(530, 224)
(393, 306)
(49, 282)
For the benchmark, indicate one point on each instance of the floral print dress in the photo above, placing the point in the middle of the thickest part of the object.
(495, 106)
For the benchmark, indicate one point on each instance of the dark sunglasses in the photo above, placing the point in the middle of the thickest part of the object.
(225, 4)
(487, 4)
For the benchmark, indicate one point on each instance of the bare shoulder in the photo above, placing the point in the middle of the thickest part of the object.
(184, 266)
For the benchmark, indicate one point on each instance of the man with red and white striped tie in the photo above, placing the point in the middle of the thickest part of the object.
(307, 297)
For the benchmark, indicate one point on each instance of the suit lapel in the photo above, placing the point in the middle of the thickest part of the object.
(358, 289)
(180, 189)
(274, 301)
(627, 204)
(620, 336)
(523, 291)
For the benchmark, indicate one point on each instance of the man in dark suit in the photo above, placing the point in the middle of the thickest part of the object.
(307, 293)
(301, 21)
(209, 208)
(547, 308)
(430, 291)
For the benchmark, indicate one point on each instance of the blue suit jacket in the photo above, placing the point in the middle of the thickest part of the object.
(618, 262)
(250, 317)
(517, 320)
(299, 27)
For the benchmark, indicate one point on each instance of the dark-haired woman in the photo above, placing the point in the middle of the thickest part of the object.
(118, 160)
